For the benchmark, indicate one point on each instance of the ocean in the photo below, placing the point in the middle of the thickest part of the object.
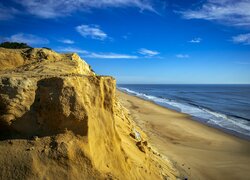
(226, 107)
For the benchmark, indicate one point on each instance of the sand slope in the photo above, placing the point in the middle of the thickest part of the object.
(200, 152)
(59, 120)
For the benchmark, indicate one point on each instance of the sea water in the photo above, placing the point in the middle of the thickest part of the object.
(226, 107)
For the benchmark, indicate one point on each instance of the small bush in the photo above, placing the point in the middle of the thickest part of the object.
(14, 45)
(47, 48)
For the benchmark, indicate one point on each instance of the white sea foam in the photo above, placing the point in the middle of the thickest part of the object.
(214, 118)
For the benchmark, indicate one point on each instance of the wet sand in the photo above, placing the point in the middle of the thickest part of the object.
(197, 150)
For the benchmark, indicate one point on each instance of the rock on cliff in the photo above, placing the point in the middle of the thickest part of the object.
(59, 120)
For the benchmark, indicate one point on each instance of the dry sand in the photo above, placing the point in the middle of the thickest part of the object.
(199, 151)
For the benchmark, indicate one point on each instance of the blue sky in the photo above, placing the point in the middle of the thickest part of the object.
(140, 41)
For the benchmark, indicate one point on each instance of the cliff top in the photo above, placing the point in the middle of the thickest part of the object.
(42, 61)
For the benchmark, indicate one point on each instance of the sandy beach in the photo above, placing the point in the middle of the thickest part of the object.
(198, 151)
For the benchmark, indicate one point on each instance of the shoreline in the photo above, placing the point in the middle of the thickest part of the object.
(199, 151)
(195, 118)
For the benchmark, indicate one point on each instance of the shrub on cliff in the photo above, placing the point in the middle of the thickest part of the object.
(47, 48)
(14, 45)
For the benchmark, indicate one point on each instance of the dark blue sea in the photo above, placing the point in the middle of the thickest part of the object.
(226, 107)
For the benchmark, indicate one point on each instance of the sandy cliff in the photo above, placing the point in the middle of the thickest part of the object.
(59, 120)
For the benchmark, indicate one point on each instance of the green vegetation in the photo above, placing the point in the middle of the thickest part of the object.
(14, 45)
(47, 48)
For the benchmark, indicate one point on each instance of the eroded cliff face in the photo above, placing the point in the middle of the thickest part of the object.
(59, 120)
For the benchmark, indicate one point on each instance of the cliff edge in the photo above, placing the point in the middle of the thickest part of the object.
(59, 120)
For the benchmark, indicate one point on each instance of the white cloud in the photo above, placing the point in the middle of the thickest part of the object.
(97, 55)
(242, 38)
(195, 40)
(27, 38)
(66, 41)
(230, 12)
(111, 56)
(148, 52)
(61, 8)
(182, 56)
(92, 31)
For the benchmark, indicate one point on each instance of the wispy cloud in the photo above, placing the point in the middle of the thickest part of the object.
(195, 40)
(112, 56)
(242, 39)
(72, 50)
(91, 31)
(66, 41)
(27, 38)
(125, 37)
(182, 56)
(61, 8)
(96, 55)
(148, 52)
(7, 12)
(231, 12)
(242, 62)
